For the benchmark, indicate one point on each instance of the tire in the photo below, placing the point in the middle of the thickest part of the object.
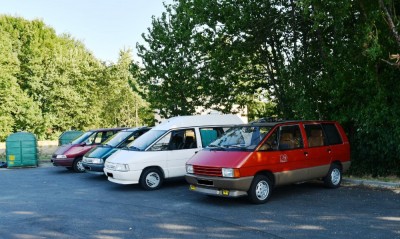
(151, 179)
(260, 189)
(77, 166)
(334, 177)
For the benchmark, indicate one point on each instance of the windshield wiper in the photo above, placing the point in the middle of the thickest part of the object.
(215, 147)
(240, 146)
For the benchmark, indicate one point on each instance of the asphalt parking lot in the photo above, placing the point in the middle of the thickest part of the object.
(51, 202)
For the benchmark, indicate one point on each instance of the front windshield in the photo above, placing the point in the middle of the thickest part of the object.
(117, 138)
(244, 137)
(146, 139)
(82, 138)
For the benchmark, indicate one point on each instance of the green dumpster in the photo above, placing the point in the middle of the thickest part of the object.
(68, 136)
(21, 150)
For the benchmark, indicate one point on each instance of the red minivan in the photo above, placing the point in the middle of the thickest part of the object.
(70, 155)
(250, 160)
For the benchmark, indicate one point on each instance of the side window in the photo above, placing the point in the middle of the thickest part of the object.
(284, 138)
(332, 134)
(128, 140)
(162, 144)
(91, 139)
(107, 135)
(176, 140)
(271, 143)
(189, 139)
(290, 137)
(99, 136)
(315, 135)
(102, 136)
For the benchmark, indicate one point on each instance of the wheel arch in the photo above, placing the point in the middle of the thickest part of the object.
(268, 174)
(154, 167)
(338, 163)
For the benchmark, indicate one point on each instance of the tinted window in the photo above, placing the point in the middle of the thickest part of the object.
(284, 138)
(332, 134)
(315, 135)
(290, 137)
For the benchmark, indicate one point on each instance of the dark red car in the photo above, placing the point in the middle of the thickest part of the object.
(70, 155)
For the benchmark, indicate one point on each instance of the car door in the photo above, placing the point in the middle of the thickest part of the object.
(183, 145)
(285, 153)
(318, 152)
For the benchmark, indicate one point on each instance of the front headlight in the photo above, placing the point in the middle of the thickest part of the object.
(230, 172)
(61, 156)
(117, 166)
(189, 168)
(93, 160)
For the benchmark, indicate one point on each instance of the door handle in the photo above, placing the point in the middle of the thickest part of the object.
(329, 150)
(306, 153)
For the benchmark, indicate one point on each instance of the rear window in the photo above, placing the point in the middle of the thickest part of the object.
(332, 134)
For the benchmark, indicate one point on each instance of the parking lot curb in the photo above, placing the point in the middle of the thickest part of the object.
(372, 183)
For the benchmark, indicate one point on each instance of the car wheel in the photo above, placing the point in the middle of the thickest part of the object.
(334, 177)
(78, 166)
(260, 189)
(151, 179)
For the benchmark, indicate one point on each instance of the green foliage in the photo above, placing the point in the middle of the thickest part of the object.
(50, 84)
(312, 60)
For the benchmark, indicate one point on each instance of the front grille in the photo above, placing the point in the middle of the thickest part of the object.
(207, 171)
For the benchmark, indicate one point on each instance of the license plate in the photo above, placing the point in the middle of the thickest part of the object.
(225, 192)
(192, 187)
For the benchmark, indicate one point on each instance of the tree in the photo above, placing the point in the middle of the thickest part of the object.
(122, 106)
(314, 60)
(18, 112)
(51, 83)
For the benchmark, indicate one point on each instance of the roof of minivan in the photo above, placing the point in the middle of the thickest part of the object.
(199, 120)
(287, 122)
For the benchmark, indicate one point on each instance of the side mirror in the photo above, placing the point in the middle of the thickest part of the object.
(82, 144)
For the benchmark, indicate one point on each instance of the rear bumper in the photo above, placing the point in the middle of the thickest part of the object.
(67, 162)
(229, 187)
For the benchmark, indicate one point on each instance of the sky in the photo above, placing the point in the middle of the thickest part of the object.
(104, 26)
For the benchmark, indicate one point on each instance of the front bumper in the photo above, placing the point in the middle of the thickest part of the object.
(94, 168)
(229, 187)
(129, 177)
(66, 162)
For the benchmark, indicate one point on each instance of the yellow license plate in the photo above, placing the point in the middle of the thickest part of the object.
(192, 187)
(225, 192)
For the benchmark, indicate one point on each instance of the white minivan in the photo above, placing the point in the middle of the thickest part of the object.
(162, 152)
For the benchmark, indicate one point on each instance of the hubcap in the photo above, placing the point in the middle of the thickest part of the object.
(335, 176)
(152, 179)
(80, 167)
(262, 190)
